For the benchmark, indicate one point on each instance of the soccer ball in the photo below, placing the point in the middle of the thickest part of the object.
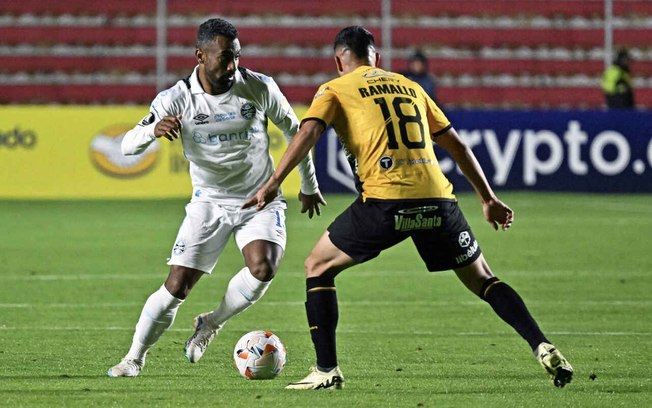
(259, 355)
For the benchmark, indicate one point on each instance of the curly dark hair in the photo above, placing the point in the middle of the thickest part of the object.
(356, 38)
(210, 29)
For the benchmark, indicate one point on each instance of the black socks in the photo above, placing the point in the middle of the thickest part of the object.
(510, 307)
(322, 312)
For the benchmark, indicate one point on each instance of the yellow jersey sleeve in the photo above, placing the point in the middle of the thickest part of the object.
(324, 106)
(437, 121)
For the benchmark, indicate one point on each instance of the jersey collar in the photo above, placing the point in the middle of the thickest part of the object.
(195, 85)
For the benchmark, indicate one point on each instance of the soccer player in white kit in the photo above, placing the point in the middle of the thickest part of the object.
(220, 113)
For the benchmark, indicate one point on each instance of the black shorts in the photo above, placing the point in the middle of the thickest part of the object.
(437, 227)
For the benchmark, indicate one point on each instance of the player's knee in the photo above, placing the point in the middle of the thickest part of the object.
(181, 280)
(263, 259)
(263, 271)
(316, 266)
(177, 288)
(313, 267)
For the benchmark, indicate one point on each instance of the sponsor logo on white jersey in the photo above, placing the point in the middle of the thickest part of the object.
(217, 138)
(248, 110)
(200, 119)
(223, 117)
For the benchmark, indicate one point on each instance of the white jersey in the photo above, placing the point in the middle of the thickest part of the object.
(225, 136)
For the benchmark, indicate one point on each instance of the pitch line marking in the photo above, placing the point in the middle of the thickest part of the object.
(394, 333)
(363, 303)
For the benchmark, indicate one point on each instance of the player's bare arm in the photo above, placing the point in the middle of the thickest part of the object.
(169, 127)
(303, 141)
(495, 211)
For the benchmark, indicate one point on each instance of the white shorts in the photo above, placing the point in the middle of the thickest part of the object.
(207, 227)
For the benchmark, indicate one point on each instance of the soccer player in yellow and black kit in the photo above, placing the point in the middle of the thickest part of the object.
(386, 122)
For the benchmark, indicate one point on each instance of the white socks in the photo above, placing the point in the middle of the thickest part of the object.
(157, 315)
(161, 308)
(243, 291)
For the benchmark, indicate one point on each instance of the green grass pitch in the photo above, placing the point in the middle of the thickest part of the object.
(75, 276)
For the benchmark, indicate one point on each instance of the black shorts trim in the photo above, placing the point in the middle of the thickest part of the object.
(437, 228)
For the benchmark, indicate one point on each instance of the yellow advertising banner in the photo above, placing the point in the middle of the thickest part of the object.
(72, 152)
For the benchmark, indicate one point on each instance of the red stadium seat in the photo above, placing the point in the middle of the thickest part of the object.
(118, 35)
(514, 37)
(273, 65)
(195, 7)
(568, 8)
(78, 94)
(286, 7)
(78, 7)
(534, 97)
(493, 96)
(463, 35)
(80, 64)
(323, 36)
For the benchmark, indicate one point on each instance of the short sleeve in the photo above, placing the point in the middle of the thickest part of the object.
(324, 106)
(437, 121)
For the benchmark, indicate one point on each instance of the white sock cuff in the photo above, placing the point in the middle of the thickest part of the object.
(166, 298)
(256, 286)
(242, 291)
(251, 279)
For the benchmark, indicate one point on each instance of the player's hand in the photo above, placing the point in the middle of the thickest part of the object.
(498, 214)
(311, 202)
(169, 127)
(264, 196)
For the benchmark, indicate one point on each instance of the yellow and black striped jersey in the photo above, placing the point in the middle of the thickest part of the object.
(386, 121)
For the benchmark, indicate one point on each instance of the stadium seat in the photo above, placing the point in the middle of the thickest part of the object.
(195, 7)
(473, 45)
(520, 97)
(513, 37)
(272, 65)
(479, 97)
(77, 94)
(556, 8)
